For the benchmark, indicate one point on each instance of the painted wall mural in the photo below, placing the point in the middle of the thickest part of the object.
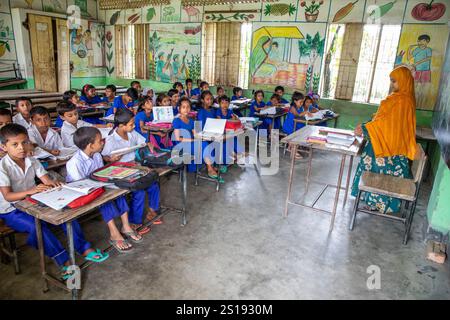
(109, 38)
(427, 11)
(285, 10)
(58, 6)
(87, 49)
(346, 11)
(174, 52)
(171, 13)
(441, 118)
(385, 11)
(191, 14)
(422, 48)
(288, 55)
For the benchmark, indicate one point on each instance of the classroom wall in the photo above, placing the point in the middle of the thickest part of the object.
(16, 35)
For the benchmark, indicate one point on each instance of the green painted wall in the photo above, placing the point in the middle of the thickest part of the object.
(79, 82)
(439, 204)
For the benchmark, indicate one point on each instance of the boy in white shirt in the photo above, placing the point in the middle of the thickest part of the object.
(17, 181)
(85, 161)
(23, 107)
(69, 114)
(41, 134)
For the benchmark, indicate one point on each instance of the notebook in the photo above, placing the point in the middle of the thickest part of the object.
(66, 153)
(60, 197)
(214, 128)
(271, 110)
(120, 152)
(340, 139)
(162, 114)
(114, 172)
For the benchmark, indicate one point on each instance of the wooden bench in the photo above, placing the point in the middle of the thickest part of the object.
(17, 80)
(407, 190)
(11, 253)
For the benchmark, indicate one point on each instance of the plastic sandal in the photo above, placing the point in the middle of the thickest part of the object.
(142, 230)
(131, 234)
(64, 274)
(92, 256)
(223, 169)
(116, 243)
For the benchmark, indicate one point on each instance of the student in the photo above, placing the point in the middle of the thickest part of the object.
(72, 97)
(274, 101)
(148, 92)
(5, 117)
(125, 101)
(204, 86)
(23, 107)
(183, 137)
(174, 97)
(279, 90)
(179, 87)
(110, 94)
(136, 85)
(90, 97)
(224, 112)
(40, 133)
(237, 93)
(121, 136)
(17, 182)
(220, 92)
(258, 103)
(206, 111)
(189, 88)
(163, 100)
(145, 114)
(69, 114)
(85, 161)
(308, 105)
(296, 111)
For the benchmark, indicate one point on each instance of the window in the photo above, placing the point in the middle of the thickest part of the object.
(130, 51)
(225, 53)
(358, 61)
(376, 60)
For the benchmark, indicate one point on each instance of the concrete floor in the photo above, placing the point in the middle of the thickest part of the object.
(236, 245)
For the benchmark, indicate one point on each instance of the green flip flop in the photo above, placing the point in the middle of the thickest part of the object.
(92, 256)
(64, 274)
(223, 169)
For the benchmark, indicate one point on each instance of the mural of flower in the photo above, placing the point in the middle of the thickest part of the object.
(311, 10)
(109, 53)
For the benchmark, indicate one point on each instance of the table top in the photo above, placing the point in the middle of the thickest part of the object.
(299, 137)
(57, 217)
(32, 95)
(271, 116)
(53, 164)
(314, 122)
(157, 129)
(425, 133)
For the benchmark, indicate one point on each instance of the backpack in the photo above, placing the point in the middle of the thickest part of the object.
(139, 181)
(148, 159)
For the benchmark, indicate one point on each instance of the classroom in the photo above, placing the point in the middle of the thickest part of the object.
(224, 150)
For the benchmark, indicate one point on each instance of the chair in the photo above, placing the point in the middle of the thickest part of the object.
(6, 254)
(407, 190)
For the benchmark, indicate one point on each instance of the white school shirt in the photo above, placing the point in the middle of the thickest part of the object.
(114, 142)
(19, 119)
(52, 141)
(11, 175)
(80, 166)
(68, 129)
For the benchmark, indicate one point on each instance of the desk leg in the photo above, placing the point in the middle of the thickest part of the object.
(41, 253)
(291, 178)
(72, 255)
(184, 194)
(338, 190)
(308, 173)
(349, 176)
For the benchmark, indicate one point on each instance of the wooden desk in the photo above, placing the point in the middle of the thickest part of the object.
(316, 122)
(427, 135)
(157, 129)
(14, 94)
(55, 164)
(299, 138)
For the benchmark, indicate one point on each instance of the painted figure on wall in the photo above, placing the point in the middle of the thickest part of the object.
(267, 58)
(421, 56)
(164, 67)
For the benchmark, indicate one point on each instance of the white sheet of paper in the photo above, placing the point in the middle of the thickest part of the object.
(40, 153)
(216, 126)
(271, 110)
(86, 186)
(57, 198)
(162, 114)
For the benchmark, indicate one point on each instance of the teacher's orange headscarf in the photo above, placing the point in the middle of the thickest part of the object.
(393, 129)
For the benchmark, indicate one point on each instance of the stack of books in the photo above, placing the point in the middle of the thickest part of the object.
(342, 139)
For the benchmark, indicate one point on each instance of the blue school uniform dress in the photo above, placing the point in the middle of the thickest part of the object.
(284, 101)
(265, 121)
(117, 104)
(79, 167)
(186, 131)
(141, 116)
(277, 122)
(11, 175)
(90, 101)
(175, 110)
(226, 146)
(196, 92)
(114, 142)
(237, 112)
(288, 125)
(204, 114)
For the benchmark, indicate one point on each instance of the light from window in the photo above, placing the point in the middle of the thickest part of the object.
(246, 35)
(332, 59)
(129, 56)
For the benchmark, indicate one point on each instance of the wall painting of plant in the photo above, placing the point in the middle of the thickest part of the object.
(311, 9)
(109, 53)
(311, 47)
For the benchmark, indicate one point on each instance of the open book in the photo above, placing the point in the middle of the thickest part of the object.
(66, 153)
(60, 197)
(123, 151)
(214, 128)
(162, 114)
(241, 101)
(271, 110)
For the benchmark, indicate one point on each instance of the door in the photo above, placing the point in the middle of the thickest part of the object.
(63, 65)
(42, 55)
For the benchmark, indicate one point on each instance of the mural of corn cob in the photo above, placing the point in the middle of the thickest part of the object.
(344, 11)
(279, 9)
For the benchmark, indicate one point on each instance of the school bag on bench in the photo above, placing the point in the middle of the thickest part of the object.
(126, 175)
(154, 159)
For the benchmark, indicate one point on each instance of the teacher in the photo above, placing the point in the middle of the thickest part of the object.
(391, 139)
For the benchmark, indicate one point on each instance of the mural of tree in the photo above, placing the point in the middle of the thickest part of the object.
(327, 72)
(194, 67)
(311, 47)
(154, 46)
